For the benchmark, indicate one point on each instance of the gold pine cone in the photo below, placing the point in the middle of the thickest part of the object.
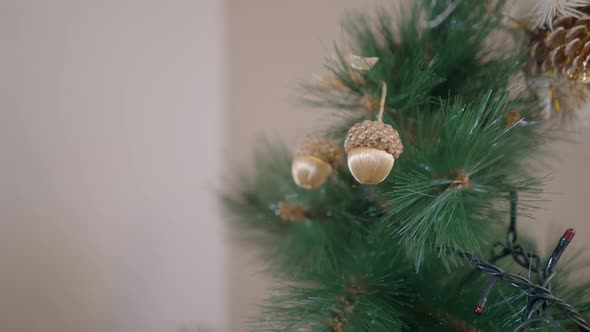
(563, 52)
(315, 158)
(372, 147)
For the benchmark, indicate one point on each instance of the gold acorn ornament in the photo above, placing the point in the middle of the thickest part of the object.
(372, 147)
(315, 157)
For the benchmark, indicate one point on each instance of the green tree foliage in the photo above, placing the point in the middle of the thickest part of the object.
(388, 257)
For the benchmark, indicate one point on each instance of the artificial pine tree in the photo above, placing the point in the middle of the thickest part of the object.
(447, 109)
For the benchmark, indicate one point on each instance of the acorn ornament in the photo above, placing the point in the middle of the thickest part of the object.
(315, 157)
(372, 147)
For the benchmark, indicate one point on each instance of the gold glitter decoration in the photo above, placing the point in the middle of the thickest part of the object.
(461, 179)
(320, 147)
(334, 324)
(376, 135)
(292, 212)
(338, 321)
(360, 63)
(565, 103)
(512, 117)
(564, 52)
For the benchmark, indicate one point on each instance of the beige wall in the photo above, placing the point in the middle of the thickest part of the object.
(276, 44)
(273, 46)
(111, 144)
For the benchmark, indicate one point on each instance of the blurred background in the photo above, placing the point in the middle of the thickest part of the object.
(120, 119)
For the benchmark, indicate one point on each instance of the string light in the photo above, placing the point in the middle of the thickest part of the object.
(480, 307)
(540, 296)
(565, 240)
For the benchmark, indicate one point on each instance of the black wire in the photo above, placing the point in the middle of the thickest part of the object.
(529, 288)
(512, 235)
(540, 296)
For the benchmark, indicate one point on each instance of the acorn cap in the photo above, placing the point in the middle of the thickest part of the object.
(376, 135)
(319, 147)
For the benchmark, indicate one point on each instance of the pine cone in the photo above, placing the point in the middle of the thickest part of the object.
(563, 52)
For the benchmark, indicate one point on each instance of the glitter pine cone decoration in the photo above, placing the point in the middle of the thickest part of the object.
(315, 157)
(560, 60)
(372, 147)
(563, 51)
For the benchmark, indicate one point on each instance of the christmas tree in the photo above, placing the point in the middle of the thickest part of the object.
(403, 216)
